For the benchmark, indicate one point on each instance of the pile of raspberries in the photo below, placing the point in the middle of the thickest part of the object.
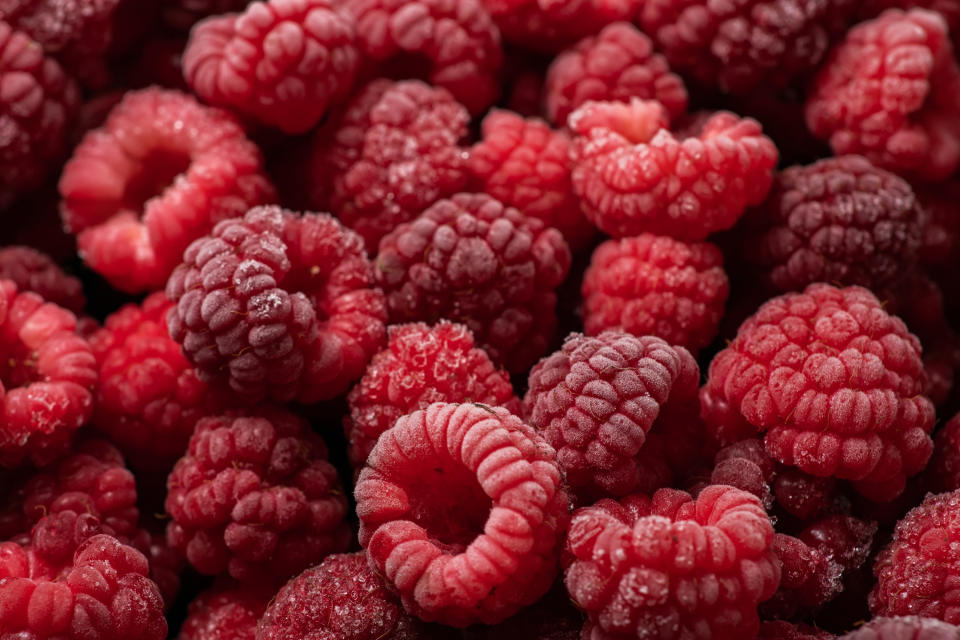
(479, 320)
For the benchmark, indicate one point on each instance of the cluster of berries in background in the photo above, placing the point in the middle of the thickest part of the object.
(479, 320)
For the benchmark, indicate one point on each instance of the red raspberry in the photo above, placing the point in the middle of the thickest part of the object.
(617, 64)
(551, 25)
(280, 306)
(281, 62)
(38, 105)
(474, 261)
(462, 511)
(158, 175)
(47, 374)
(255, 496)
(655, 285)
(596, 400)
(742, 45)
(836, 384)
(672, 567)
(33, 271)
(941, 225)
(904, 628)
(747, 466)
(633, 175)
(809, 579)
(780, 630)
(891, 92)
(838, 220)
(183, 14)
(226, 611)
(523, 164)
(421, 365)
(455, 44)
(393, 153)
(949, 9)
(943, 474)
(166, 563)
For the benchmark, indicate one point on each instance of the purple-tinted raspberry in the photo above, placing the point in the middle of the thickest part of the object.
(550, 25)
(34, 271)
(905, 628)
(226, 611)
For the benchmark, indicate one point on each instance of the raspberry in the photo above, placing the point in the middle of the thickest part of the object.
(617, 64)
(255, 496)
(804, 496)
(550, 26)
(835, 383)
(747, 466)
(166, 563)
(655, 285)
(455, 44)
(523, 164)
(890, 92)
(633, 175)
(158, 175)
(905, 628)
(278, 305)
(949, 9)
(47, 373)
(394, 152)
(943, 473)
(474, 261)
(39, 102)
(281, 62)
(742, 45)
(671, 566)
(183, 14)
(421, 365)
(462, 511)
(838, 220)
(809, 579)
(33, 271)
(780, 630)
(596, 399)
(226, 611)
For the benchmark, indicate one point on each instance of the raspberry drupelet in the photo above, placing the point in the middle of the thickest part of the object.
(633, 175)
(255, 497)
(461, 509)
(281, 62)
(833, 381)
(226, 611)
(672, 566)
(891, 91)
(392, 153)
(421, 365)
(655, 285)
(34, 271)
(472, 260)
(549, 26)
(156, 176)
(904, 628)
(279, 306)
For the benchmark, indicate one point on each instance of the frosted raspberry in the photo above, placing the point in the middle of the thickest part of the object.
(904, 628)
(943, 473)
(183, 14)
(804, 496)
(549, 25)
(394, 152)
(809, 579)
(890, 92)
(39, 102)
(671, 566)
(461, 510)
(949, 9)
(281, 62)
(839, 220)
(617, 64)
(596, 399)
(633, 175)
(747, 466)
(226, 611)
(742, 45)
(780, 630)
(455, 44)
(159, 174)
(279, 306)
(833, 381)
(33, 271)
(655, 285)
(472, 260)
(254, 496)
(523, 164)
(47, 374)
(421, 365)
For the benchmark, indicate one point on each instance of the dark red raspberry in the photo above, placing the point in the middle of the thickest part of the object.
(281, 62)
(838, 220)
(462, 511)
(279, 306)
(549, 25)
(617, 64)
(524, 164)
(226, 611)
(809, 578)
(421, 365)
(38, 106)
(672, 567)
(742, 45)
(655, 285)
(804, 496)
(394, 152)
(454, 44)
(780, 630)
(472, 260)
(943, 474)
(183, 14)
(905, 628)
(596, 400)
(255, 497)
(33, 271)
(633, 175)
(747, 466)
(941, 225)
(159, 174)
(166, 563)
(553, 617)
(891, 92)
(834, 382)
